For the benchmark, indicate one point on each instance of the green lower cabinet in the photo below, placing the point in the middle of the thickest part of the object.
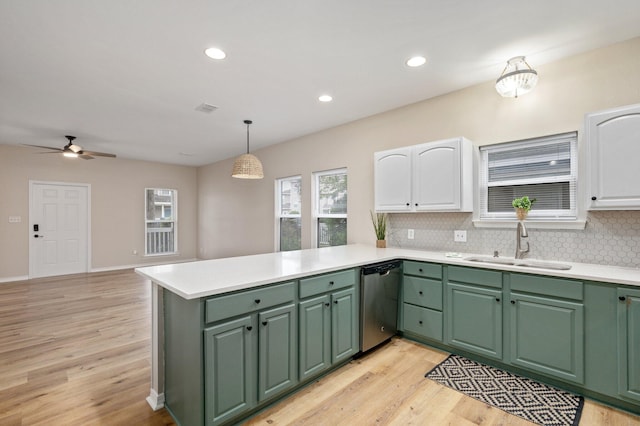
(629, 343)
(422, 322)
(277, 351)
(315, 335)
(474, 319)
(344, 325)
(230, 369)
(547, 336)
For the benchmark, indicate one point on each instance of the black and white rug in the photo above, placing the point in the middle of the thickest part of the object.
(526, 398)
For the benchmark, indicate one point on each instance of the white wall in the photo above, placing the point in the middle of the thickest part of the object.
(117, 205)
(236, 217)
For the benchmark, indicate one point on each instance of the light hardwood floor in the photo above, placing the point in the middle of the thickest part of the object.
(75, 350)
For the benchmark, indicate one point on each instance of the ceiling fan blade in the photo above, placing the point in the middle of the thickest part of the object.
(45, 147)
(84, 156)
(99, 154)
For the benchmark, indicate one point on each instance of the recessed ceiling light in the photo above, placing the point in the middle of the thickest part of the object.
(416, 61)
(215, 53)
(325, 98)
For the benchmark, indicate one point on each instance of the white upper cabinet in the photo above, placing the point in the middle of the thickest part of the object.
(612, 153)
(435, 176)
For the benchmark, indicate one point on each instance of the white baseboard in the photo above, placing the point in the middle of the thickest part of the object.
(11, 279)
(155, 400)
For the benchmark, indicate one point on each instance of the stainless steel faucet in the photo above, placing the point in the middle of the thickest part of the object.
(521, 232)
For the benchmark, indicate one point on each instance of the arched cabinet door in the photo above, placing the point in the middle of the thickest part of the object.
(612, 149)
(393, 180)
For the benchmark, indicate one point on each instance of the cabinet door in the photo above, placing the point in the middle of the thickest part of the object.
(344, 325)
(315, 336)
(547, 335)
(629, 343)
(278, 351)
(474, 319)
(436, 176)
(612, 151)
(229, 369)
(393, 180)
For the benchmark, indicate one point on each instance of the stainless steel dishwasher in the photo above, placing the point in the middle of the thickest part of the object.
(379, 285)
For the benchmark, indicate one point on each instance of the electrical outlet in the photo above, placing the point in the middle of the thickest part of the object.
(460, 236)
(15, 219)
(410, 234)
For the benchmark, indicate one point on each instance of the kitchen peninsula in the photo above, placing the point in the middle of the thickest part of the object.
(285, 281)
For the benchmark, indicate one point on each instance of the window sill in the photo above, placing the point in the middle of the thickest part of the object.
(532, 224)
(162, 254)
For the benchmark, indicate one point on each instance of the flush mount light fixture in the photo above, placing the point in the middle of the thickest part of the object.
(325, 98)
(416, 61)
(517, 78)
(215, 53)
(247, 166)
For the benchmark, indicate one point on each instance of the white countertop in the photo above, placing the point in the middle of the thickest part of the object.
(192, 280)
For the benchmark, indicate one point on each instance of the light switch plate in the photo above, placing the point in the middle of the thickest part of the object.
(460, 236)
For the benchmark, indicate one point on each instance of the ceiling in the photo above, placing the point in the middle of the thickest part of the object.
(125, 77)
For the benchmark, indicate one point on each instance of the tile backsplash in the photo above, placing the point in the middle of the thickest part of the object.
(609, 238)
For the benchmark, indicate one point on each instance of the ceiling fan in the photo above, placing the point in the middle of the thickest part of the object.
(73, 150)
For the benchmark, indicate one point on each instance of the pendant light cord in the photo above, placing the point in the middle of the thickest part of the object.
(248, 123)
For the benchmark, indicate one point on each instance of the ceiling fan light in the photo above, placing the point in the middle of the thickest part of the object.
(75, 148)
(70, 154)
(247, 166)
(517, 78)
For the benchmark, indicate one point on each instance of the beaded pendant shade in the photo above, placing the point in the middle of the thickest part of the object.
(517, 78)
(247, 166)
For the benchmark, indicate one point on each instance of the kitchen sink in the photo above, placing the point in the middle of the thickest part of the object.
(526, 263)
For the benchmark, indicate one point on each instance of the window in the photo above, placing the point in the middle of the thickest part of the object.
(160, 221)
(542, 168)
(288, 210)
(330, 209)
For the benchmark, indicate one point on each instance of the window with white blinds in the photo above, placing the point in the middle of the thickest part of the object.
(542, 168)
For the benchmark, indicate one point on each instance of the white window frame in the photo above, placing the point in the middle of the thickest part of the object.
(278, 204)
(315, 205)
(548, 219)
(174, 220)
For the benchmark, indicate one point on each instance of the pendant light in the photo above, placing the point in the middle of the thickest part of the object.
(247, 166)
(517, 78)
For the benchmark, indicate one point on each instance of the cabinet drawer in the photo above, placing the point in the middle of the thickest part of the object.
(421, 269)
(425, 292)
(483, 277)
(423, 322)
(327, 282)
(558, 287)
(248, 301)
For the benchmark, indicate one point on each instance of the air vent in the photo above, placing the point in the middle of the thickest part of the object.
(205, 107)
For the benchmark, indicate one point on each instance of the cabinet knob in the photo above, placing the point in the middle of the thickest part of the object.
(420, 293)
(249, 328)
(513, 302)
(331, 283)
(408, 204)
(336, 302)
(420, 270)
(594, 198)
(498, 299)
(622, 298)
(257, 301)
(420, 322)
(327, 304)
(416, 204)
(265, 322)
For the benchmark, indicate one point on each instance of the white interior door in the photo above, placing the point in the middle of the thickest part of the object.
(58, 226)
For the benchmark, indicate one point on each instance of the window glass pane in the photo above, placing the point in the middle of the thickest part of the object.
(332, 194)
(290, 233)
(549, 196)
(332, 231)
(290, 200)
(160, 224)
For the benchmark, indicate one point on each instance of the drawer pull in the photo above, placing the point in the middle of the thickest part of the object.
(420, 322)
(249, 328)
(265, 322)
(257, 301)
(420, 270)
(622, 298)
(420, 293)
(331, 282)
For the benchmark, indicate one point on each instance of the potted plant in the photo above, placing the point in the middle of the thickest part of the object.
(379, 221)
(522, 206)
